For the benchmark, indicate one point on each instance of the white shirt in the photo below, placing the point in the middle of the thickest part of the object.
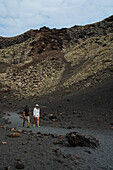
(36, 112)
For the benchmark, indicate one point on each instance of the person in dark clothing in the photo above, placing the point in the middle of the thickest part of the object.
(26, 114)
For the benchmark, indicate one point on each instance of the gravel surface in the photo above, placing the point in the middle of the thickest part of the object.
(82, 158)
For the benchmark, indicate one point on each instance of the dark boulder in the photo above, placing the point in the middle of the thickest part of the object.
(78, 139)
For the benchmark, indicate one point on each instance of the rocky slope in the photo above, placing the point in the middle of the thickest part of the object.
(43, 61)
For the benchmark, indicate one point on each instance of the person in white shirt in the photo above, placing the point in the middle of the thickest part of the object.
(36, 115)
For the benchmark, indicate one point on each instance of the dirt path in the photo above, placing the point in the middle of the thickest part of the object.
(17, 121)
(99, 159)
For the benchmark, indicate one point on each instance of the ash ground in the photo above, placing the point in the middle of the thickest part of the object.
(89, 112)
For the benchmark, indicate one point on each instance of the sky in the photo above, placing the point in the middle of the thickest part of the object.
(19, 16)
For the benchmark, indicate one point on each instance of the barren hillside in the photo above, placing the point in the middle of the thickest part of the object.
(43, 61)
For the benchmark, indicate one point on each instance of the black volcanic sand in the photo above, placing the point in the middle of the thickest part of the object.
(36, 148)
(89, 111)
(91, 108)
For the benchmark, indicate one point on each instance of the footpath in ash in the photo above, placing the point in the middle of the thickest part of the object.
(101, 157)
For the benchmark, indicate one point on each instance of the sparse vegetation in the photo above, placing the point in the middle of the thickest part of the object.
(71, 70)
(42, 61)
(67, 91)
(111, 69)
(107, 60)
(3, 67)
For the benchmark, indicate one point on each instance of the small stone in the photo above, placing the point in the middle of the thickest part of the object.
(76, 162)
(75, 112)
(17, 159)
(7, 128)
(88, 152)
(58, 152)
(52, 117)
(33, 132)
(69, 127)
(24, 131)
(7, 121)
(33, 139)
(4, 143)
(20, 165)
(78, 157)
(15, 135)
(66, 155)
(98, 120)
(54, 120)
(60, 161)
(53, 136)
(5, 114)
(12, 129)
(61, 137)
(7, 168)
(4, 127)
(24, 143)
(20, 131)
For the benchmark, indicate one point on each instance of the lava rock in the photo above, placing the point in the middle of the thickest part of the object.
(7, 168)
(61, 137)
(60, 161)
(5, 114)
(78, 139)
(4, 143)
(19, 131)
(7, 121)
(58, 152)
(20, 165)
(14, 135)
(52, 117)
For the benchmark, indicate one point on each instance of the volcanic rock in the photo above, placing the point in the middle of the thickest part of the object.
(7, 168)
(20, 165)
(4, 143)
(40, 62)
(15, 135)
(58, 152)
(7, 121)
(52, 117)
(78, 139)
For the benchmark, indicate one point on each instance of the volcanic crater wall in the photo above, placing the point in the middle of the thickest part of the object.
(41, 61)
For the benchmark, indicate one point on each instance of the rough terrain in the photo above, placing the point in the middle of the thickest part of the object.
(69, 73)
(43, 61)
(50, 148)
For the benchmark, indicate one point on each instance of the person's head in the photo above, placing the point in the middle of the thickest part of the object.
(37, 106)
(26, 107)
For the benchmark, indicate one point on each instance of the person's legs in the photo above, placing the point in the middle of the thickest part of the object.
(38, 121)
(34, 122)
(23, 121)
(28, 119)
